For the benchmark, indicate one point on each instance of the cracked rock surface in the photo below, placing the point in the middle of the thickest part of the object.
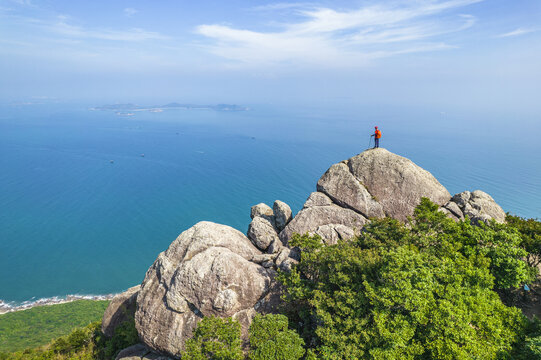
(317, 213)
(396, 182)
(208, 270)
(373, 184)
(120, 309)
(213, 269)
(477, 205)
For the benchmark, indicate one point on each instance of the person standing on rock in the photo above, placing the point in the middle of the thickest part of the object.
(377, 136)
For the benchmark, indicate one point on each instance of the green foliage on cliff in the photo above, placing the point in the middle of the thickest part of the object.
(87, 343)
(80, 344)
(419, 291)
(125, 335)
(214, 338)
(219, 339)
(530, 232)
(529, 348)
(39, 325)
(270, 339)
(423, 290)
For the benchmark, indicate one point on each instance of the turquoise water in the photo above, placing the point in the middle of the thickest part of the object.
(72, 222)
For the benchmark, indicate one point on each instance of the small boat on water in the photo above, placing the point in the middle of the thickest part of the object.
(142, 155)
(112, 161)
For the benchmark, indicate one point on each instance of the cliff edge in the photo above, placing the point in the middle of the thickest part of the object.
(213, 269)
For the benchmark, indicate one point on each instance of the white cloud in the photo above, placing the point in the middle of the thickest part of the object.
(517, 32)
(134, 34)
(129, 12)
(61, 26)
(339, 37)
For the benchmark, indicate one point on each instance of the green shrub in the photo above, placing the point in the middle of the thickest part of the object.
(270, 339)
(125, 335)
(79, 344)
(498, 242)
(530, 232)
(419, 291)
(214, 338)
(529, 347)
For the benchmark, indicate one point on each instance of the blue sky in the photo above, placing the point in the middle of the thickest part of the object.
(470, 53)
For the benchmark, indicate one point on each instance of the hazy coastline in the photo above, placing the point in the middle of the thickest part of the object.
(7, 307)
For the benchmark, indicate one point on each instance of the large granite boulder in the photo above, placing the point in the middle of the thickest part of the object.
(262, 210)
(395, 182)
(319, 210)
(261, 233)
(339, 184)
(477, 206)
(282, 214)
(331, 233)
(208, 270)
(120, 309)
(373, 184)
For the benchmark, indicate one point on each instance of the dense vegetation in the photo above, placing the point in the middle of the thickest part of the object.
(429, 289)
(39, 325)
(215, 338)
(220, 339)
(530, 232)
(85, 343)
(424, 290)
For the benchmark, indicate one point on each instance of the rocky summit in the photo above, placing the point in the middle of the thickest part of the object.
(373, 184)
(213, 269)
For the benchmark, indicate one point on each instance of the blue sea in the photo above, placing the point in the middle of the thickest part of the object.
(82, 211)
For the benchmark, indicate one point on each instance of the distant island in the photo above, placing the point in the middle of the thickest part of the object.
(174, 105)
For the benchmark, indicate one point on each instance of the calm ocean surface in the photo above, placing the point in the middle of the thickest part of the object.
(72, 222)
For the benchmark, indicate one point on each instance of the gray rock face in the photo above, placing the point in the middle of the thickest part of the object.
(339, 184)
(455, 210)
(375, 183)
(309, 219)
(462, 198)
(139, 352)
(396, 182)
(317, 199)
(262, 210)
(275, 247)
(487, 206)
(261, 233)
(331, 233)
(478, 206)
(282, 214)
(286, 258)
(449, 214)
(206, 271)
(212, 269)
(120, 309)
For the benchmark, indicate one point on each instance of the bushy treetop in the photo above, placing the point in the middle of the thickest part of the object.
(422, 290)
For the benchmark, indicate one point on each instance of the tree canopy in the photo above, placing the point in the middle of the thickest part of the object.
(422, 290)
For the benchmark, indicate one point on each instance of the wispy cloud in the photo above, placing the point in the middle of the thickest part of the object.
(63, 26)
(517, 32)
(341, 37)
(129, 12)
(135, 34)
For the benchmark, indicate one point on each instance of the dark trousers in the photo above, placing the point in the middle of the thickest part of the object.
(376, 142)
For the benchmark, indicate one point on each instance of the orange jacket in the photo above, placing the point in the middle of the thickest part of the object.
(378, 134)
